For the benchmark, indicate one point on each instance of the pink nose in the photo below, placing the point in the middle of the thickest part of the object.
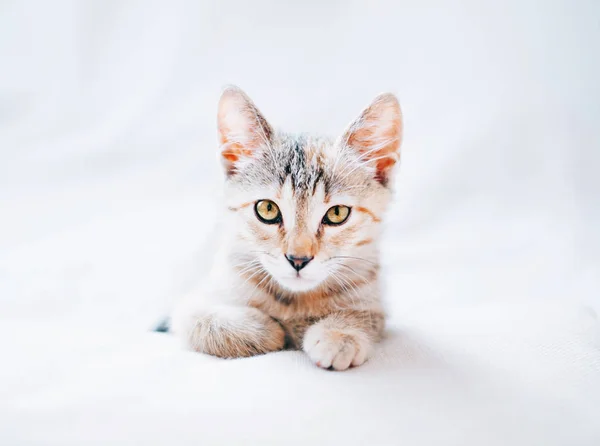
(298, 262)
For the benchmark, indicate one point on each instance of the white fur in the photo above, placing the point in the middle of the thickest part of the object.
(251, 259)
(326, 348)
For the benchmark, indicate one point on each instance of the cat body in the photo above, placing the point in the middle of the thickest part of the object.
(297, 264)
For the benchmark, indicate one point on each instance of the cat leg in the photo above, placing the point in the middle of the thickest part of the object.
(343, 339)
(229, 331)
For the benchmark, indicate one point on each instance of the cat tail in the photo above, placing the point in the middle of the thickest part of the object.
(163, 326)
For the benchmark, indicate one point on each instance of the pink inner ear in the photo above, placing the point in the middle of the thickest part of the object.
(242, 129)
(377, 135)
(233, 150)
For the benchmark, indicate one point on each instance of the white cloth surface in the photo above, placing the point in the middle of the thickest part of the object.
(108, 185)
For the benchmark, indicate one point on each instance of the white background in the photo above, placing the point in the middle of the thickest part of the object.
(109, 188)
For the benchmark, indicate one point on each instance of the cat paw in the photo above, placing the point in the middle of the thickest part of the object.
(336, 348)
(235, 332)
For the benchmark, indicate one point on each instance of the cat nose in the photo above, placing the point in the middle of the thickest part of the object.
(298, 262)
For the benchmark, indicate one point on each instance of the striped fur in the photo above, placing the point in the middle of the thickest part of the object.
(255, 301)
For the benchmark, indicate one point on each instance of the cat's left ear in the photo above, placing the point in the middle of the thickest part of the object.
(376, 135)
(242, 128)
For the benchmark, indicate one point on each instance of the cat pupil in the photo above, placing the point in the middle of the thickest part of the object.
(337, 210)
(269, 207)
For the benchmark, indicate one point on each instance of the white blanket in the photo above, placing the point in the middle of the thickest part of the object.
(108, 179)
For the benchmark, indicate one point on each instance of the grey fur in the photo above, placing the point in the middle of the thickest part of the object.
(290, 155)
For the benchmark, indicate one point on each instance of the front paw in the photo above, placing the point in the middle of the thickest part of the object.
(233, 332)
(336, 348)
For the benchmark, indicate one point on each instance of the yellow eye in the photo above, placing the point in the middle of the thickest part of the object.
(336, 215)
(267, 212)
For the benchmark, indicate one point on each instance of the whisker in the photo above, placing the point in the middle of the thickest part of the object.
(350, 287)
(359, 300)
(265, 252)
(258, 271)
(250, 262)
(351, 257)
(349, 267)
(248, 267)
(256, 287)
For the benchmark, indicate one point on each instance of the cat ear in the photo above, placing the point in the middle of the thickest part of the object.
(376, 135)
(242, 128)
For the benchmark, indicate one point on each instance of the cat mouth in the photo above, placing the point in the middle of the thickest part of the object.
(294, 281)
(298, 276)
(298, 282)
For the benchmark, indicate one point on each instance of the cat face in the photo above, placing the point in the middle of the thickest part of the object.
(307, 210)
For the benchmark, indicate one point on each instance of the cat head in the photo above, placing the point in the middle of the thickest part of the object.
(307, 210)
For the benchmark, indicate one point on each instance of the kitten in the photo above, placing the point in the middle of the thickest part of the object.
(297, 264)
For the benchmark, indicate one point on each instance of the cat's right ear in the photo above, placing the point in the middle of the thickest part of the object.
(242, 128)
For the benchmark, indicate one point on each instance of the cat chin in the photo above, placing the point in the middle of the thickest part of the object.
(289, 280)
(298, 284)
